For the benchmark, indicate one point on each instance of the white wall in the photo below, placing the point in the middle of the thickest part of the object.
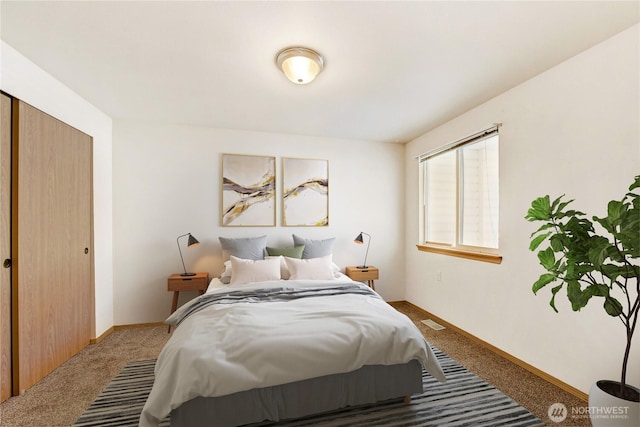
(574, 129)
(167, 183)
(24, 80)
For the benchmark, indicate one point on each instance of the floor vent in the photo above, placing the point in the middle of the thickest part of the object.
(433, 325)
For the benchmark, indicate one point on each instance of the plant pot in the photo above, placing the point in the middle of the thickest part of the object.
(605, 409)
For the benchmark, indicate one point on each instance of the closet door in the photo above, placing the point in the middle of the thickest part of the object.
(5, 247)
(52, 244)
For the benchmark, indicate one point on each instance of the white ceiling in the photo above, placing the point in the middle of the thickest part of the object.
(393, 69)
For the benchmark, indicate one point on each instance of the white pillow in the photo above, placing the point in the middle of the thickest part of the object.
(227, 269)
(284, 270)
(245, 271)
(335, 269)
(225, 276)
(320, 268)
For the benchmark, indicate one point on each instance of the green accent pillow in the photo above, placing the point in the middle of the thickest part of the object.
(292, 252)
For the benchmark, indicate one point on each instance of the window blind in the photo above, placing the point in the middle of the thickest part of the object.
(461, 191)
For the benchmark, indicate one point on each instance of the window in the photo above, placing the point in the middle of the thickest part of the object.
(460, 198)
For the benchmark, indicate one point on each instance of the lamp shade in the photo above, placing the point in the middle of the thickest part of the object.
(192, 241)
(300, 64)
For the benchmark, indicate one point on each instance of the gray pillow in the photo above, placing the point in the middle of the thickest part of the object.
(314, 248)
(252, 248)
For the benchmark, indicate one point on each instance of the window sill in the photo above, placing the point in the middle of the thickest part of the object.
(477, 256)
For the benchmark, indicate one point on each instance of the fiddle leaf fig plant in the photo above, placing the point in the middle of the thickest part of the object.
(592, 264)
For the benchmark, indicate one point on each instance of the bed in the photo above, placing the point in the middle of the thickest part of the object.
(278, 349)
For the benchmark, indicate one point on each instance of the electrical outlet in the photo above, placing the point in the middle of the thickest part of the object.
(439, 276)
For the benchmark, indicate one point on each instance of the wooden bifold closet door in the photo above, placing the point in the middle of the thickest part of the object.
(52, 246)
(5, 247)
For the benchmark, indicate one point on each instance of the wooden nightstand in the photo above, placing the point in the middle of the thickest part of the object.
(368, 274)
(177, 283)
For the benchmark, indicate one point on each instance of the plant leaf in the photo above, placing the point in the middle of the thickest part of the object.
(540, 209)
(612, 271)
(614, 210)
(556, 206)
(577, 297)
(612, 306)
(598, 290)
(543, 281)
(547, 259)
(598, 251)
(563, 205)
(552, 302)
(542, 228)
(556, 242)
(536, 242)
(605, 223)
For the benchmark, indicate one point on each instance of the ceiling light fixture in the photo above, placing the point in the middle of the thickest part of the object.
(300, 64)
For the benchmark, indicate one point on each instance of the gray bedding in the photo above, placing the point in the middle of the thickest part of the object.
(248, 351)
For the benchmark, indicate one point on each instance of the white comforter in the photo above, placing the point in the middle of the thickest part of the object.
(228, 348)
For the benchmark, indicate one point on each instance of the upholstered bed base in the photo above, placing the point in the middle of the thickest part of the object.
(368, 384)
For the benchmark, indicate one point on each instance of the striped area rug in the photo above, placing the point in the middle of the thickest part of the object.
(465, 400)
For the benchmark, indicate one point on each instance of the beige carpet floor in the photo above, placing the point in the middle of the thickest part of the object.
(61, 397)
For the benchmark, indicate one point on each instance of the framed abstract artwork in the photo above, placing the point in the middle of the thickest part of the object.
(305, 192)
(248, 190)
